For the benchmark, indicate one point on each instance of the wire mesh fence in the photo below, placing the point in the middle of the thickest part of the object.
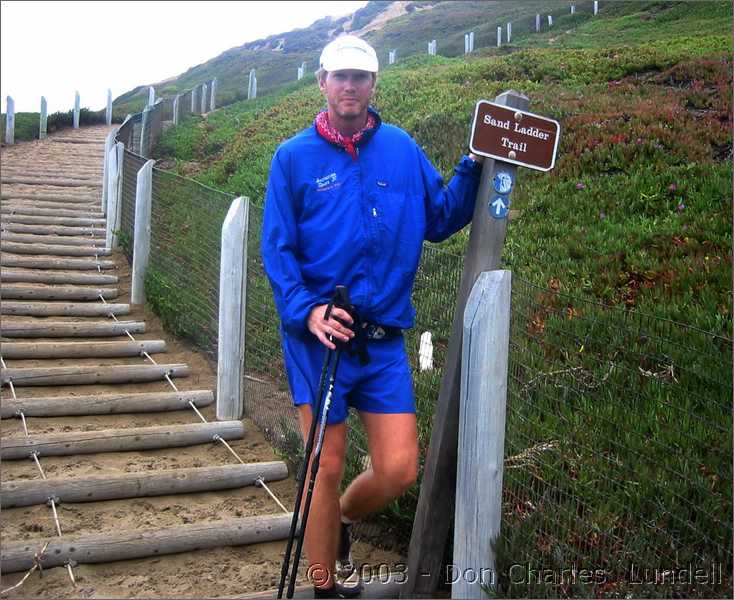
(618, 446)
(182, 278)
(131, 164)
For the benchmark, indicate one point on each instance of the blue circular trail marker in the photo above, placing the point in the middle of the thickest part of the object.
(503, 182)
(498, 207)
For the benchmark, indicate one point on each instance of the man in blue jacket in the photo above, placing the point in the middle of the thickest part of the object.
(349, 202)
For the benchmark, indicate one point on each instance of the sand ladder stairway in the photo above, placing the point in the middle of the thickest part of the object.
(92, 410)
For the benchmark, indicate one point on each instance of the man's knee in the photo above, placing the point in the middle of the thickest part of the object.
(399, 475)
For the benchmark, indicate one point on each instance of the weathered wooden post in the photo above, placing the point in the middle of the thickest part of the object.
(213, 98)
(43, 120)
(203, 98)
(193, 100)
(517, 145)
(108, 114)
(151, 96)
(509, 32)
(499, 36)
(232, 311)
(550, 20)
(252, 86)
(109, 143)
(596, 6)
(141, 239)
(9, 121)
(484, 365)
(114, 191)
(76, 111)
(537, 22)
(145, 132)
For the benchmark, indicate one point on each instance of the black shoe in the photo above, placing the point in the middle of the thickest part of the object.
(344, 563)
(338, 591)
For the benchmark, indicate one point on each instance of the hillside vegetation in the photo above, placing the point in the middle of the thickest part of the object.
(410, 26)
(637, 211)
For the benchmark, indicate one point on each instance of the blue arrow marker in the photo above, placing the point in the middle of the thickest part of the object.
(498, 207)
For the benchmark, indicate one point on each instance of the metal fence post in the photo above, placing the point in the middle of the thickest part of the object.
(151, 95)
(10, 121)
(509, 32)
(573, 9)
(481, 448)
(114, 189)
(499, 36)
(537, 22)
(176, 103)
(596, 6)
(232, 310)
(141, 247)
(108, 114)
(43, 120)
(471, 41)
(466, 43)
(76, 110)
(550, 21)
(203, 98)
(193, 100)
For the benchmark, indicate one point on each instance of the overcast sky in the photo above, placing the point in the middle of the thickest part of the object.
(54, 48)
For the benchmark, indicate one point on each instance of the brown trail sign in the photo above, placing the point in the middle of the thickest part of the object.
(436, 503)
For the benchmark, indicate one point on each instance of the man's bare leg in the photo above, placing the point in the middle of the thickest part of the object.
(393, 445)
(322, 529)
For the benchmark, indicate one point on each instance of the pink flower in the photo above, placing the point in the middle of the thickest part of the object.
(580, 186)
(672, 187)
(680, 207)
(639, 140)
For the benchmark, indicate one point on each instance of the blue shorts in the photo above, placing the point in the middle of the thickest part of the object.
(385, 385)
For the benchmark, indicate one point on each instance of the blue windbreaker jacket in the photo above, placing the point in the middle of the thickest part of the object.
(330, 220)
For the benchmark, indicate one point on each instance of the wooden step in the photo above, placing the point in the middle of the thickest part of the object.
(63, 240)
(38, 350)
(53, 229)
(104, 404)
(66, 221)
(72, 198)
(52, 181)
(95, 488)
(53, 250)
(91, 375)
(117, 545)
(49, 262)
(53, 329)
(33, 211)
(132, 439)
(55, 292)
(91, 205)
(50, 277)
(60, 309)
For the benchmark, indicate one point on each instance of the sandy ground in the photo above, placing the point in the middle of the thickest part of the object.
(226, 571)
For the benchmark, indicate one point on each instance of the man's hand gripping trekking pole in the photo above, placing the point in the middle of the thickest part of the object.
(329, 323)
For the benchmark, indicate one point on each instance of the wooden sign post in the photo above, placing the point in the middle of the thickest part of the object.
(489, 224)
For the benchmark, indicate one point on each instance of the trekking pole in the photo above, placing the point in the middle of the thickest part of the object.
(340, 300)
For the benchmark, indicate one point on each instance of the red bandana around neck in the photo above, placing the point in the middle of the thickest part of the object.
(330, 134)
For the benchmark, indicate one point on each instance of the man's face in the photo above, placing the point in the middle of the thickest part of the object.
(348, 92)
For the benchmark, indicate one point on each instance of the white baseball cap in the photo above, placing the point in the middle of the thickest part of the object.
(348, 52)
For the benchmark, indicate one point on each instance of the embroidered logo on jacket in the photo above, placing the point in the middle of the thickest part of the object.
(328, 182)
